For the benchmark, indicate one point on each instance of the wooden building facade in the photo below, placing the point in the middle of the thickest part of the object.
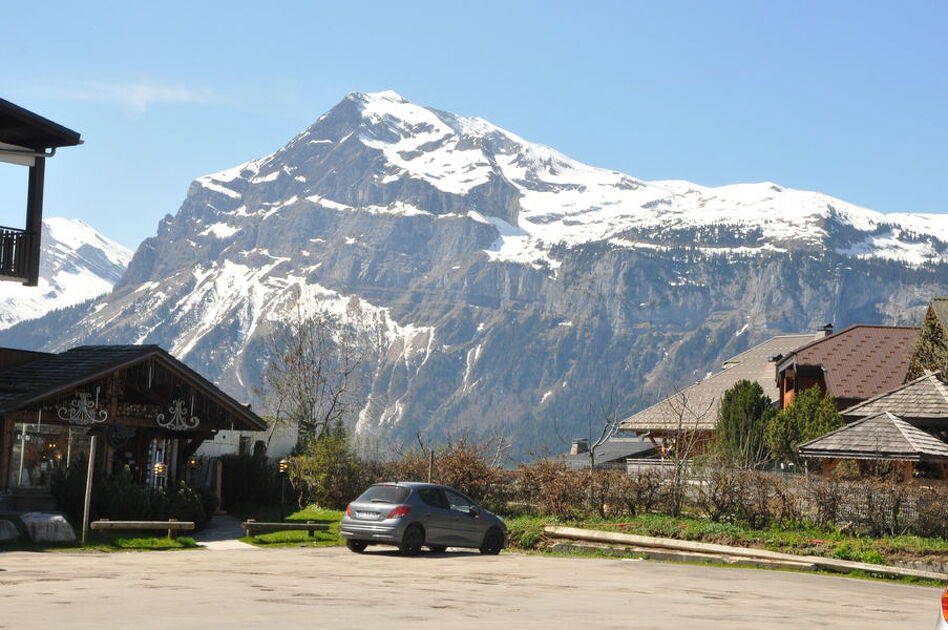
(150, 410)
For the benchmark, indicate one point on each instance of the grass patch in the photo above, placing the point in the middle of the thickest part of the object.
(292, 537)
(142, 544)
(526, 532)
(109, 542)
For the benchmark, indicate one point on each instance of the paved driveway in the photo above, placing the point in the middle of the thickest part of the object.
(333, 588)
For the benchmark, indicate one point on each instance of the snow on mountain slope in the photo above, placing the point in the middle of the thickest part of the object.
(502, 282)
(77, 264)
(566, 202)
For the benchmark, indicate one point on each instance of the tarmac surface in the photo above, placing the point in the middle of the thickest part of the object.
(330, 587)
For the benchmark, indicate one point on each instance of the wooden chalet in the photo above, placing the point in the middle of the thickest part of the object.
(852, 365)
(150, 410)
(693, 412)
(27, 139)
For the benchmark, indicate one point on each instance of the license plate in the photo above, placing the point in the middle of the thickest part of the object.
(367, 516)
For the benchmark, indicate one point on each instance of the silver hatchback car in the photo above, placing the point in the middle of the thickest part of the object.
(412, 515)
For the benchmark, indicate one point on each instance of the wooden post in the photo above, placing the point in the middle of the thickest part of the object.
(908, 470)
(828, 466)
(430, 464)
(88, 500)
(218, 482)
(34, 220)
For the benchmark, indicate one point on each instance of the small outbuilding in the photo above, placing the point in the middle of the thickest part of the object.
(882, 437)
(614, 453)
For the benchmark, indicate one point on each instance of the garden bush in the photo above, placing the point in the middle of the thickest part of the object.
(119, 497)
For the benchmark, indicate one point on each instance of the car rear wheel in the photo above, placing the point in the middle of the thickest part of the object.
(412, 541)
(437, 548)
(493, 542)
(357, 546)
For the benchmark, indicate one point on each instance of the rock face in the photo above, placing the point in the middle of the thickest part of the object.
(508, 287)
(42, 527)
(8, 532)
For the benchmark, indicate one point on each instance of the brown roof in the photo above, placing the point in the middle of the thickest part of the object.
(697, 405)
(860, 361)
(882, 436)
(924, 398)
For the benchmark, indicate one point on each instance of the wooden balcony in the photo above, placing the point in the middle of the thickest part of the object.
(14, 259)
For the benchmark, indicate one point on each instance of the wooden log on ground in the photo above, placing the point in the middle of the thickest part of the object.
(829, 564)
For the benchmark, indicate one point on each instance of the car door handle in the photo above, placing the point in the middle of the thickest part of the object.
(428, 514)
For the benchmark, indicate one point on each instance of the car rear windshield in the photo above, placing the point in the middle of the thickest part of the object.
(384, 494)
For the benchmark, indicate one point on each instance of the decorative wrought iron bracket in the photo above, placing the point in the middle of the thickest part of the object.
(83, 411)
(179, 420)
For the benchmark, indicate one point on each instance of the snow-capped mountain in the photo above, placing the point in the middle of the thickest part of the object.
(76, 264)
(505, 284)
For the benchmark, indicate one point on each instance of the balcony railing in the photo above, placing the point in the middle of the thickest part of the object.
(14, 245)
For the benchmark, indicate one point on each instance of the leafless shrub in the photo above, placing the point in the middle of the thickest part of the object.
(720, 495)
(463, 463)
(553, 486)
(931, 510)
(641, 491)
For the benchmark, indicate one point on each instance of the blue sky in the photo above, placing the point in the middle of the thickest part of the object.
(849, 98)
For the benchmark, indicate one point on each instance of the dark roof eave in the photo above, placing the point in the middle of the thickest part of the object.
(147, 352)
(907, 457)
(29, 129)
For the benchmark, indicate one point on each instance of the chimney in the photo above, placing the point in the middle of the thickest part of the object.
(824, 332)
(579, 447)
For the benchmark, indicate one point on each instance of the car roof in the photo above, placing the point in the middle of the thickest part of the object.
(413, 484)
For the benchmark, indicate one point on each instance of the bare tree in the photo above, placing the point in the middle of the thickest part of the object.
(684, 442)
(314, 376)
(602, 421)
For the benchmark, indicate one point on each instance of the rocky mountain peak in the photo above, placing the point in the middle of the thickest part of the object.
(504, 283)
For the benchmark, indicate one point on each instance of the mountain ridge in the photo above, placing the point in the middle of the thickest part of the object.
(507, 284)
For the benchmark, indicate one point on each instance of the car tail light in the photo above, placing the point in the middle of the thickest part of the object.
(399, 512)
(349, 510)
(944, 605)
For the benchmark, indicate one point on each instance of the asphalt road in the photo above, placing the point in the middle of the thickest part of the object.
(333, 588)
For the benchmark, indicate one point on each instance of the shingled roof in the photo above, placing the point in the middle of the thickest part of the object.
(29, 383)
(882, 436)
(924, 398)
(859, 362)
(616, 450)
(703, 398)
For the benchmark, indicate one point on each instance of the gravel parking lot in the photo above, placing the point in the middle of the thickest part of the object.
(333, 588)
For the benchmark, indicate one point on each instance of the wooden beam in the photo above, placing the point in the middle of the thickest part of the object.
(34, 221)
(6, 450)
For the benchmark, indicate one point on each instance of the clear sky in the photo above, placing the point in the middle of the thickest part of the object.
(848, 98)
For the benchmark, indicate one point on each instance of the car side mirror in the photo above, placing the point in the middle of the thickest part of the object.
(473, 511)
